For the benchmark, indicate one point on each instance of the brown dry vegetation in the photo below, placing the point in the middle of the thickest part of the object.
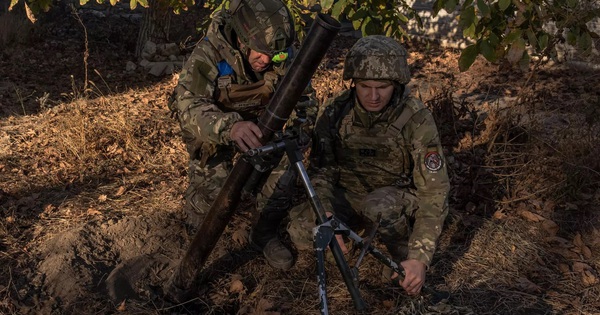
(92, 182)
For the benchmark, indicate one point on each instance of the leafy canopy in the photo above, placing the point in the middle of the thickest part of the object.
(499, 29)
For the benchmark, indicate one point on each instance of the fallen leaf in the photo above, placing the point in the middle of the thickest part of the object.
(10, 219)
(102, 198)
(556, 240)
(262, 308)
(92, 211)
(499, 215)
(536, 203)
(595, 237)
(578, 241)
(388, 304)
(240, 236)
(550, 227)
(528, 286)
(530, 216)
(581, 267)
(588, 278)
(565, 253)
(120, 191)
(586, 252)
(121, 307)
(564, 268)
(236, 286)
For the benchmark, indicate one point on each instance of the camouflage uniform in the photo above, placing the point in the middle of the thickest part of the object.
(389, 161)
(217, 88)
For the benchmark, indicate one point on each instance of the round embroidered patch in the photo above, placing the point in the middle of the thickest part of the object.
(433, 161)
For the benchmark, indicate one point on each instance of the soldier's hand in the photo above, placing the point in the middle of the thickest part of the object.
(246, 135)
(414, 276)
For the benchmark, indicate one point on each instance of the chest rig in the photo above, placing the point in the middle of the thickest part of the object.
(376, 155)
(249, 100)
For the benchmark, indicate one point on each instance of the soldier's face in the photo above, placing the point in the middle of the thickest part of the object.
(258, 61)
(373, 95)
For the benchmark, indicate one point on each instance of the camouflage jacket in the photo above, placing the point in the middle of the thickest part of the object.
(399, 146)
(203, 111)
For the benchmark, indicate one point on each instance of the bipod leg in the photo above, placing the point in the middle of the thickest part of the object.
(322, 236)
(296, 159)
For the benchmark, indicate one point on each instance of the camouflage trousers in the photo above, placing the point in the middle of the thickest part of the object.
(397, 207)
(273, 200)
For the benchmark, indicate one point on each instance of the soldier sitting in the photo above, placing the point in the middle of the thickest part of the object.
(377, 150)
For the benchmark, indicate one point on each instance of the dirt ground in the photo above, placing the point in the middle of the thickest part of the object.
(92, 181)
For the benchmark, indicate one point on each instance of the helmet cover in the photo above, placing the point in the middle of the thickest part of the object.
(377, 57)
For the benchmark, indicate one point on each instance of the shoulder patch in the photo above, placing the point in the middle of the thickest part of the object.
(433, 161)
(224, 68)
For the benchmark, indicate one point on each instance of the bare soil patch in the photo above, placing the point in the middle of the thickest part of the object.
(91, 203)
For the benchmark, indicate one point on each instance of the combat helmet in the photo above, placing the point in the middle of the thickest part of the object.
(377, 57)
(265, 26)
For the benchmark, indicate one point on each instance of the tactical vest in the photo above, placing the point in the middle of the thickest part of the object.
(249, 100)
(377, 156)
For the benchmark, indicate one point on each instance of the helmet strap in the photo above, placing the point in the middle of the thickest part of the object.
(245, 50)
(234, 5)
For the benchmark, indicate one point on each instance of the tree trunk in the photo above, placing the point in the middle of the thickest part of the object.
(15, 25)
(156, 21)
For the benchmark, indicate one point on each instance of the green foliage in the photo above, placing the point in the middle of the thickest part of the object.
(507, 28)
(375, 16)
(500, 29)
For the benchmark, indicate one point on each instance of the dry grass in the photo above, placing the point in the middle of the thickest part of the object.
(521, 237)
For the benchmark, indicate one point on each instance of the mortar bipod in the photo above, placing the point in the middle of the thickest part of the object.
(323, 234)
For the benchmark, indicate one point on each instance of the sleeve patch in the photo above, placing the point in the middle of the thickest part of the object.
(433, 161)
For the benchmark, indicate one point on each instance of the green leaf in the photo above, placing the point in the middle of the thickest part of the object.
(503, 4)
(360, 14)
(338, 8)
(467, 17)
(483, 8)
(132, 4)
(12, 4)
(469, 32)
(543, 41)
(571, 37)
(531, 38)
(467, 57)
(467, 4)
(326, 5)
(402, 17)
(369, 27)
(143, 3)
(450, 6)
(516, 50)
(488, 50)
(494, 39)
(113, 2)
(437, 6)
(513, 36)
(83, 2)
(44, 5)
(388, 28)
(356, 24)
(584, 42)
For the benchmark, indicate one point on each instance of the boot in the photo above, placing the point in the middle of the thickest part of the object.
(264, 238)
